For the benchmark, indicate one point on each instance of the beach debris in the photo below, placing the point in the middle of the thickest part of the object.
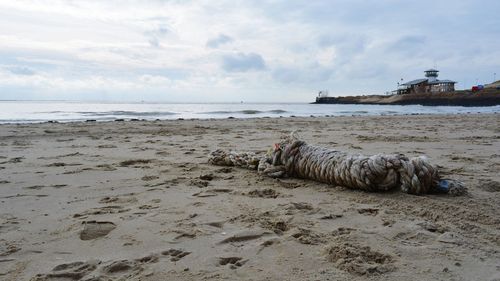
(245, 236)
(207, 177)
(96, 229)
(246, 159)
(451, 238)
(292, 157)
(454, 188)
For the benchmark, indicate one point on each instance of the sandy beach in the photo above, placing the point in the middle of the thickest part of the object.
(138, 201)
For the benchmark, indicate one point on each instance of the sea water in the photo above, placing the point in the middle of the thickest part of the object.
(68, 111)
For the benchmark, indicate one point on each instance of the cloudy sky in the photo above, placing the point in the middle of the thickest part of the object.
(238, 50)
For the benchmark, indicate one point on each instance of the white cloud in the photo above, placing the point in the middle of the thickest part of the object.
(219, 40)
(326, 56)
(155, 80)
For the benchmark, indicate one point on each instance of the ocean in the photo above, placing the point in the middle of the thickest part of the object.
(70, 111)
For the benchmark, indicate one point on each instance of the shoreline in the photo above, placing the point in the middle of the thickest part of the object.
(138, 200)
(119, 120)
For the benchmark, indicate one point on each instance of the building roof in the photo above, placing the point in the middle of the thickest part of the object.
(414, 82)
(432, 70)
(441, 82)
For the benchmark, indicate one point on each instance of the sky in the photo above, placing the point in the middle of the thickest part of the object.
(239, 50)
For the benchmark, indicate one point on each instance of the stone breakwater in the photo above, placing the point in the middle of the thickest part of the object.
(487, 97)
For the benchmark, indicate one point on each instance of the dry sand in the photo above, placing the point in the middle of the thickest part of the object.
(138, 201)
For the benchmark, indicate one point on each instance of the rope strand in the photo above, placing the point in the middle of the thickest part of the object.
(292, 157)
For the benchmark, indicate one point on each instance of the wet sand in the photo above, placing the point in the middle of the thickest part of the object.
(138, 201)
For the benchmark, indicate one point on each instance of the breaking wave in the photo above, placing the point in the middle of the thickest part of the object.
(126, 113)
(246, 111)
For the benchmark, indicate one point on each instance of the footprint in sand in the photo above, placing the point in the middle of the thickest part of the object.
(263, 193)
(135, 163)
(114, 209)
(234, 262)
(8, 222)
(96, 229)
(149, 178)
(489, 185)
(69, 271)
(148, 207)
(358, 259)
(111, 270)
(7, 248)
(309, 237)
(105, 167)
(121, 266)
(268, 243)
(204, 194)
(368, 211)
(175, 254)
(129, 240)
(118, 199)
(33, 187)
(293, 208)
(106, 146)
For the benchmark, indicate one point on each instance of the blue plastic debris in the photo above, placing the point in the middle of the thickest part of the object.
(443, 186)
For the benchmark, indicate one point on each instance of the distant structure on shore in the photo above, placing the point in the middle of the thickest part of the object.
(430, 84)
(426, 91)
(323, 94)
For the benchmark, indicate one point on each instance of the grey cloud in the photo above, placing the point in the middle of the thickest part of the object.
(327, 40)
(241, 62)
(286, 75)
(408, 45)
(374, 70)
(219, 40)
(20, 70)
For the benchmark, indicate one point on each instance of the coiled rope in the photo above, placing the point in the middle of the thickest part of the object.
(292, 157)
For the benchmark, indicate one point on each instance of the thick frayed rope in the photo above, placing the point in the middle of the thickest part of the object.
(294, 158)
